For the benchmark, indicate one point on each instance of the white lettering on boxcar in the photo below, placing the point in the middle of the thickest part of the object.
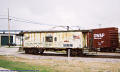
(99, 36)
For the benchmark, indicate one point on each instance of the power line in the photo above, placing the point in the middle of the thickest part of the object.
(26, 21)
(3, 18)
(17, 18)
(20, 19)
(3, 15)
(33, 22)
(29, 21)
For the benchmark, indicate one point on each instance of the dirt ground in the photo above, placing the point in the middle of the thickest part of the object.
(103, 62)
(70, 65)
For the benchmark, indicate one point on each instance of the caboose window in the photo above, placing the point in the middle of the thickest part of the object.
(55, 39)
(49, 39)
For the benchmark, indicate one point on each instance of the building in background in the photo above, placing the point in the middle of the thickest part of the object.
(15, 38)
(4, 39)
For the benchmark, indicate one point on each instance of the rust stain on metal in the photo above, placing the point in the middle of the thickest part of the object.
(66, 36)
(53, 39)
(63, 36)
(34, 36)
(28, 35)
(31, 36)
(40, 37)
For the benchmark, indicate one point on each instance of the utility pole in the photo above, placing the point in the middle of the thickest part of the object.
(99, 25)
(68, 28)
(68, 49)
(9, 27)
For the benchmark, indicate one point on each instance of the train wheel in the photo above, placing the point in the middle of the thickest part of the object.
(75, 52)
(114, 50)
(80, 53)
(30, 51)
(26, 51)
(41, 51)
(35, 51)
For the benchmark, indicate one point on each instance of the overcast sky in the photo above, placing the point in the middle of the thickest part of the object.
(86, 14)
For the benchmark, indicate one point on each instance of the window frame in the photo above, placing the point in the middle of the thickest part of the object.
(49, 39)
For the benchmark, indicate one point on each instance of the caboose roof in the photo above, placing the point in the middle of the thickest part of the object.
(56, 31)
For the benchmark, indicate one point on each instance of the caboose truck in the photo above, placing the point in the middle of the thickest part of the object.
(37, 41)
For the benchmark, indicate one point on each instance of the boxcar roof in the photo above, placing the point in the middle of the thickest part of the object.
(55, 31)
(106, 28)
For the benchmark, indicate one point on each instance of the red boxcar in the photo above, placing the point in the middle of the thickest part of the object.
(104, 38)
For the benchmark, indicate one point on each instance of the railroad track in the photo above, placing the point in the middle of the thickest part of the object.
(118, 50)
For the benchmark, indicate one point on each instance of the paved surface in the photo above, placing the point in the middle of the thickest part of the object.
(6, 70)
(100, 57)
(8, 51)
(3, 68)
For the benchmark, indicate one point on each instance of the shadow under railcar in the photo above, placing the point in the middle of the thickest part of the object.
(98, 55)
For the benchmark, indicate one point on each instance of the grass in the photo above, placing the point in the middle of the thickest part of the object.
(23, 66)
(61, 51)
(53, 65)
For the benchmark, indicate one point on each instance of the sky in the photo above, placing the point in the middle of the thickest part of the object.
(50, 14)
